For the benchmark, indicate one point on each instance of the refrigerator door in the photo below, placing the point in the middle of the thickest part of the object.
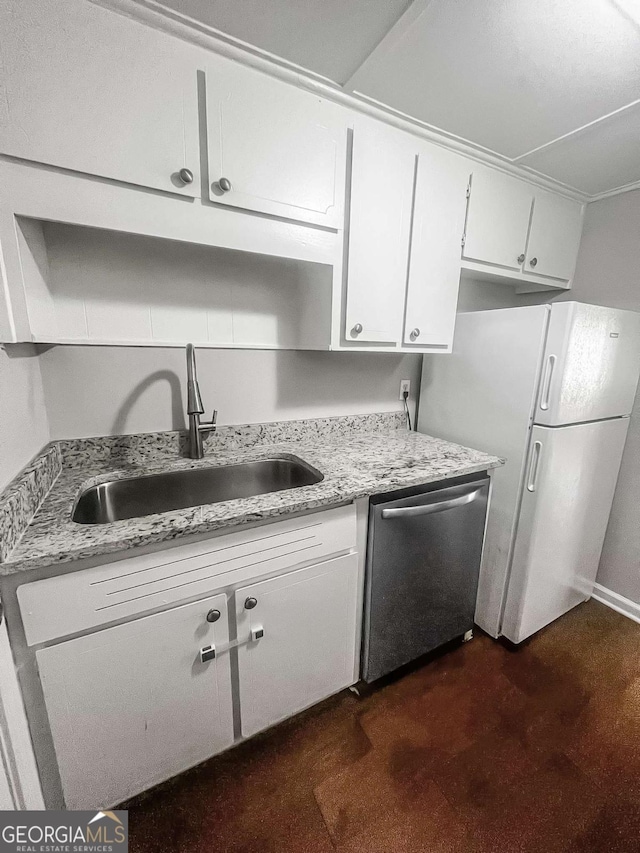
(591, 364)
(483, 395)
(568, 490)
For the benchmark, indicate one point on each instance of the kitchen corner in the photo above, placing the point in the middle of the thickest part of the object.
(319, 426)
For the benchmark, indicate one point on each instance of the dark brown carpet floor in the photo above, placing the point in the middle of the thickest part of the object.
(483, 750)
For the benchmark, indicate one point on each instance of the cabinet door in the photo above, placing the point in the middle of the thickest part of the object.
(19, 778)
(74, 101)
(556, 227)
(133, 705)
(382, 180)
(6, 797)
(281, 150)
(497, 219)
(434, 265)
(309, 644)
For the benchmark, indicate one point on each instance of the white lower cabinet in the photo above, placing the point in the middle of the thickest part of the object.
(6, 799)
(133, 705)
(306, 627)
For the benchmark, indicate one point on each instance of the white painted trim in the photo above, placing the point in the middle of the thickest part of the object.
(155, 15)
(625, 188)
(414, 11)
(617, 602)
(577, 130)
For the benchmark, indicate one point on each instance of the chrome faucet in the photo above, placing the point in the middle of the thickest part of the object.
(195, 408)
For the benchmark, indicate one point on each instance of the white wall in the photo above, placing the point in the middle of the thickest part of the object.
(608, 273)
(23, 420)
(112, 390)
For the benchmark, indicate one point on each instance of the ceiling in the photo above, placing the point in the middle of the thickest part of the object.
(549, 85)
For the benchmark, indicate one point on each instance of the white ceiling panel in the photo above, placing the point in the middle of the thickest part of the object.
(329, 37)
(602, 158)
(509, 75)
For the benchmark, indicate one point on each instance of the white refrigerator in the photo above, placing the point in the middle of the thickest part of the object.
(550, 388)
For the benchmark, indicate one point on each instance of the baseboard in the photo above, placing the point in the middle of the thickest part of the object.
(617, 602)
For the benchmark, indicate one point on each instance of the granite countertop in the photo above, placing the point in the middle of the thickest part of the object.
(355, 463)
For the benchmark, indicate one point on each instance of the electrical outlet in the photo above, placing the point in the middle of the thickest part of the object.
(405, 385)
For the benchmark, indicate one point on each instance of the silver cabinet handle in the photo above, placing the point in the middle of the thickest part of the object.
(427, 509)
(546, 383)
(533, 262)
(250, 603)
(207, 653)
(356, 329)
(213, 615)
(415, 333)
(521, 258)
(224, 184)
(533, 466)
(186, 176)
(211, 652)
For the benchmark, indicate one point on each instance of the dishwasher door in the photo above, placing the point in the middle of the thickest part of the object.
(423, 562)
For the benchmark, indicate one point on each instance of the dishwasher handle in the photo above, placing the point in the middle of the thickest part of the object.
(427, 509)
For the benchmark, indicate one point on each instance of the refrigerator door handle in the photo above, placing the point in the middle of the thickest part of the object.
(546, 383)
(533, 466)
(427, 509)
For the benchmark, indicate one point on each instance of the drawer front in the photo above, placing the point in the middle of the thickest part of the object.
(65, 604)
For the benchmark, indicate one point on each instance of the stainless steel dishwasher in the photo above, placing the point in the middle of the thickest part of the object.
(423, 562)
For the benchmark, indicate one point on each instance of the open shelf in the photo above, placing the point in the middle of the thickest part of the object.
(92, 286)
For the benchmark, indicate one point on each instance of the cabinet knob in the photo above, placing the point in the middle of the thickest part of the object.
(250, 603)
(356, 329)
(533, 261)
(224, 184)
(415, 333)
(186, 176)
(213, 615)
(521, 258)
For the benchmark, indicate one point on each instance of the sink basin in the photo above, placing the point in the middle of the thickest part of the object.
(114, 500)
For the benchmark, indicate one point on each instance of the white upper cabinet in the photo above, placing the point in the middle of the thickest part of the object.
(273, 148)
(382, 182)
(556, 227)
(497, 219)
(434, 265)
(103, 96)
(523, 232)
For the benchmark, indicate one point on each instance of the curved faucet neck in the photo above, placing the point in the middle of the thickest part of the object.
(194, 400)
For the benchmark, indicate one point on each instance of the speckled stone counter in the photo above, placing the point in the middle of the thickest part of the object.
(358, 456)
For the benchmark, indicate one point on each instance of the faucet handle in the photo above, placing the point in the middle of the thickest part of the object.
(209, 426)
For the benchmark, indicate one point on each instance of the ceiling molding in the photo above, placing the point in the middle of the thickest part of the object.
(634, 185)
(159, 17)
(577, 131)
(389, 40)
(168, 20)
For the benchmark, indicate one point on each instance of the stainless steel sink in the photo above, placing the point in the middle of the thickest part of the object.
(114, 500)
